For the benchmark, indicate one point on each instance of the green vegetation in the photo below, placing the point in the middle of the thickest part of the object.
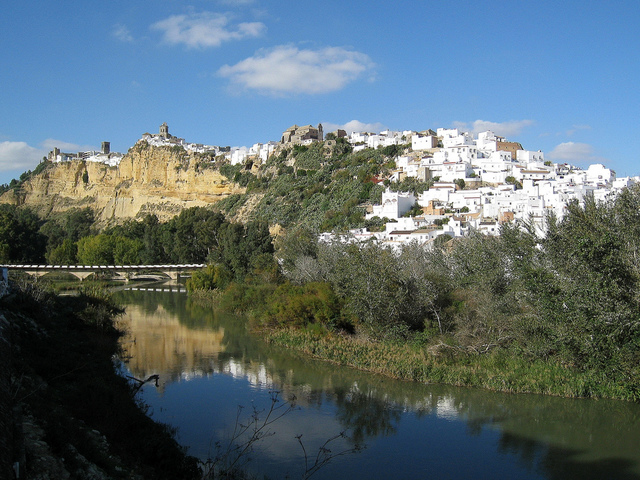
(566, 300)
(408, 361)
(196, 235)
(518, 312)
(512, 181)
(320, 187)
(20, 239)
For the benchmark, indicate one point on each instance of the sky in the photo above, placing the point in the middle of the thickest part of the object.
(561, 77)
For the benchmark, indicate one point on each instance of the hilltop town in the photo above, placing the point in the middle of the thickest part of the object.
(474, 182)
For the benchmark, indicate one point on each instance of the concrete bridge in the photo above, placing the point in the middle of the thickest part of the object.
(125, 271)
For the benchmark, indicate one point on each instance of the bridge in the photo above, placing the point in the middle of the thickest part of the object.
(124, 271)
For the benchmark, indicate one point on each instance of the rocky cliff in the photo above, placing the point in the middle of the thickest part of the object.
(157, 180)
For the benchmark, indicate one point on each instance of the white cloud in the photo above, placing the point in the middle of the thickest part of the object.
(288, 70)
(206, 29)
(51, 143)
(576, 128)
(354, 126)
(19, 155)
(122, 33)
(236, 3)
(574, 152)
(505, 129)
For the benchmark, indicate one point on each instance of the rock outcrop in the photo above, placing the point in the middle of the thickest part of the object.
(149, 180)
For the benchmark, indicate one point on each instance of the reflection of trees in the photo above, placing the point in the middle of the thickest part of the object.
(561, 438)
(365, 414)
(560, 463)
(598, 439)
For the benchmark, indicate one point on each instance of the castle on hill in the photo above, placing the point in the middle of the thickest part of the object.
(302, 135)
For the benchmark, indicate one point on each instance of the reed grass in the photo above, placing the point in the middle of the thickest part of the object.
(499, 371)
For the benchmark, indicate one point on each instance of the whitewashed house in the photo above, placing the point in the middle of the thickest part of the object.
(237, 155)
(439, 192)
(598, 174)
(394, 205)
(423, 142)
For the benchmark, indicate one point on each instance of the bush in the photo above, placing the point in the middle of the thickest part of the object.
(210, 278)
(300, 306)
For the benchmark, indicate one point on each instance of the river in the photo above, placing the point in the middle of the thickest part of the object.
(212, 373)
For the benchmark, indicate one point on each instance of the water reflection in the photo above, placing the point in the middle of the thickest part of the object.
(423, 430)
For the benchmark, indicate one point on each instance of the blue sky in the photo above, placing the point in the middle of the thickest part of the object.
(561, 77)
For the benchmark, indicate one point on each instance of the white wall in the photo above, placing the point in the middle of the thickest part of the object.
(423, 142)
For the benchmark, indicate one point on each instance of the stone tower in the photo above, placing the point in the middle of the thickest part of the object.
(164, 130)
(106, 148)
(320, 134)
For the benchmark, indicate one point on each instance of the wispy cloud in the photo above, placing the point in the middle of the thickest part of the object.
(206, 29)
(577, 128)
(505, 129)
(19, 155)
(288, 70)
(354, 126)
(574, 153)
(122, 33)
(51, 143)
(237, 3)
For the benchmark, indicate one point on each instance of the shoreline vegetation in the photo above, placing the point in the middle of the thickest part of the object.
(405, 361)
(494, 372)
(555, 312)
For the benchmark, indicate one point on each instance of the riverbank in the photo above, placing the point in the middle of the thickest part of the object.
(497, 371)
(65, 411)
(424, 357)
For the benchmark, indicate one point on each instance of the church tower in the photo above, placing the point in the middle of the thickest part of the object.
(164, 130)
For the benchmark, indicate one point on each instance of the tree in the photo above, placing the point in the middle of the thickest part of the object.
(239, 245)
(64, 254)
(20, 237)
(590, 305)
(482, 301)
(368, 277)
(299, 242)
(78, 223)
(127, 251)
(209, 278)
(96, 250)
(193, 235)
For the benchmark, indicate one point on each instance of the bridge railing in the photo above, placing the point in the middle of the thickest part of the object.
(104, 267)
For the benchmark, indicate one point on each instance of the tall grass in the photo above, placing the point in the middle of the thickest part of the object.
(498, 371)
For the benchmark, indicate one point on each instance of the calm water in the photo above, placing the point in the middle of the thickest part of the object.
(209, 366)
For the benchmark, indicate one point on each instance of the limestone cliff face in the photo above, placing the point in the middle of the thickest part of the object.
(148, 180)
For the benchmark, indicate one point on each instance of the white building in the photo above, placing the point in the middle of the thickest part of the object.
(528, 157)
(394, 205)
(453, 137)
(439, 192)
(357, 138)
(598, 174)
(237, 155)
(488, 141)
(423, 142)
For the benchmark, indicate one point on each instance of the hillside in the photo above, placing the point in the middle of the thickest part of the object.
(321, 186)
(149, 180)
